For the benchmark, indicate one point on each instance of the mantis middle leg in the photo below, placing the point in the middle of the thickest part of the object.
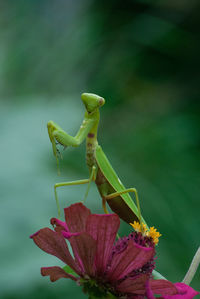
(77, 182)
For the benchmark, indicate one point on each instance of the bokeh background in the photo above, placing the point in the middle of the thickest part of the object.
(142, 56)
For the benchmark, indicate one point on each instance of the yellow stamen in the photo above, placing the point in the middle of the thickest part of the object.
(154, 234)
(142, 228)
(136, 226)
(151, 232)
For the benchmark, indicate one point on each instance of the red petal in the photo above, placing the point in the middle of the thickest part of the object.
(56, 273)
(103, 228)
(134, 285)
(76, 216)
(59, 225)
(84, 249)
(55, 244)
(162, 287)
(184, 292)
(187, 290)
(132, 258)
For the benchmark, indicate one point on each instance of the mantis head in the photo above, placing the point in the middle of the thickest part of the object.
(92, 101)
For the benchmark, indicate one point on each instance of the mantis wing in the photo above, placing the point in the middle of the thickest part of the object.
(122, 205)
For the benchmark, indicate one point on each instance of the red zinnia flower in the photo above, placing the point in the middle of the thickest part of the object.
(100, 266)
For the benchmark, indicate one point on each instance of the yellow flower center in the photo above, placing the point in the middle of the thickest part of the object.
(151, 232)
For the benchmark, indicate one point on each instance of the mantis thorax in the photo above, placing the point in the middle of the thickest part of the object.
(91, 140)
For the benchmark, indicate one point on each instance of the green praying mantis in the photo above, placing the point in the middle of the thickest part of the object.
(110, 187)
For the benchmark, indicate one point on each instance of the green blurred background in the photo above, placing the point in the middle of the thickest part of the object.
(142, 57)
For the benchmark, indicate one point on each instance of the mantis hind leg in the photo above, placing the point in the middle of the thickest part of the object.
(118, 193)
(78, 182)
(104, 205)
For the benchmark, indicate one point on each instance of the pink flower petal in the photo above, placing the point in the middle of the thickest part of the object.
(59, 225)
(55, 244)
(103, 228)
(56, 273)
(67, 235)
(132, 258)
(84, 249)
(76, 216)
(149, 292)
(184, 292)
(161, 287)
(134, 285)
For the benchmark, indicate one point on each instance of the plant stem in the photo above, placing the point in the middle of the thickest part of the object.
(193, 268)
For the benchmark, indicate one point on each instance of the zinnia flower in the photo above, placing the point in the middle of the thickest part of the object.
(102, 267)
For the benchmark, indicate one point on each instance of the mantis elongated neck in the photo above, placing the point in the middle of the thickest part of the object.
(91, 140)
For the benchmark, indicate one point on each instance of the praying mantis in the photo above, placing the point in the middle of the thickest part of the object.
(111, 189)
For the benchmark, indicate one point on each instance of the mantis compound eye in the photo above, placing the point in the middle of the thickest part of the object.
(101, 102)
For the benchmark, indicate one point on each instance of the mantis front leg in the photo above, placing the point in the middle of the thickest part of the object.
(56, 133)
(78, 182)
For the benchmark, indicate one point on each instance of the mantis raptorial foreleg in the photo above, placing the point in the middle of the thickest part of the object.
(78, 182)
(56, 133)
